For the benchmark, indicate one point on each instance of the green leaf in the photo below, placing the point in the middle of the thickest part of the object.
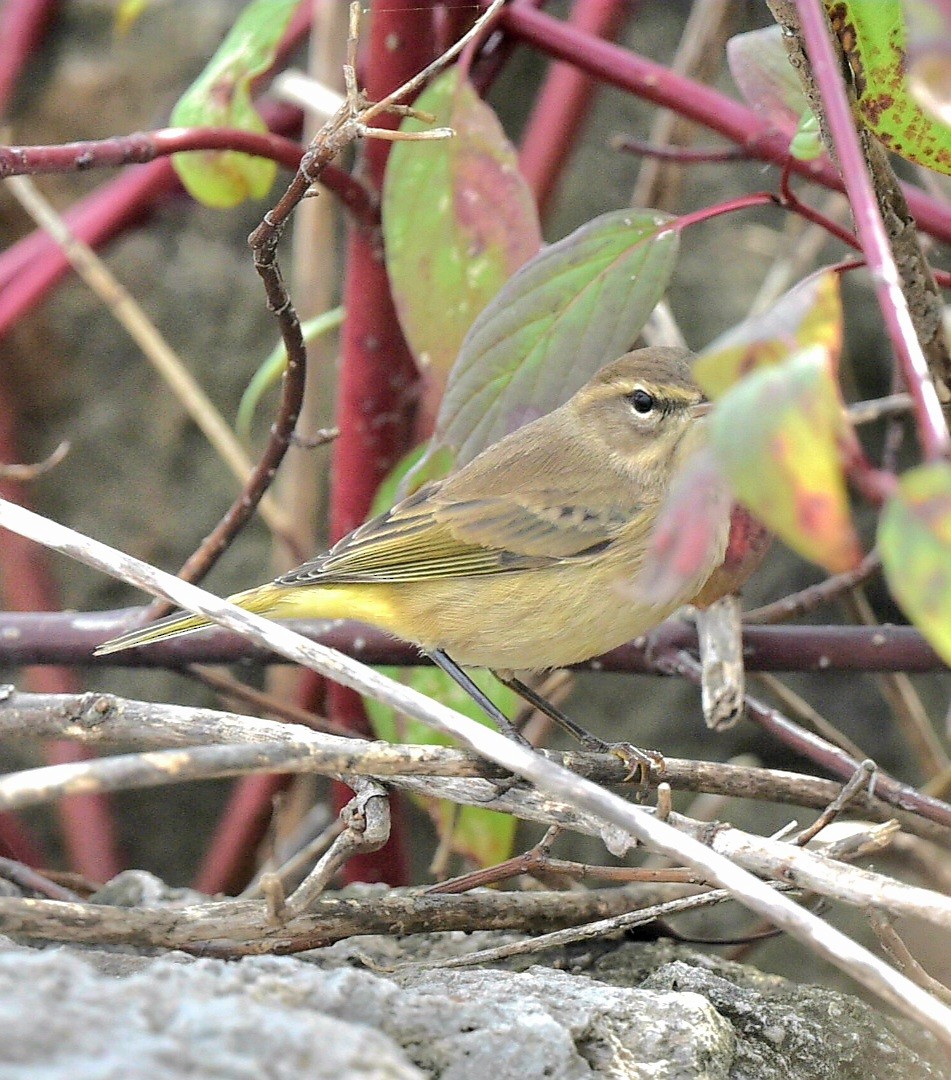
(761, 69)
(270, 372)
(458, 221)
(914, 539)
(484, 836)
(576, 306)
(221, 97)
(777, 436)
(807, 143)
(874, 36)
(810, 314)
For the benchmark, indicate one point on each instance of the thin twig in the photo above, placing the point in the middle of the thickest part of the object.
(367, 828)
(31, 879)
(899, 952)
(589, 932)
(903, 700)
(548, 777)
(818, 750)
(807, 600)
(104, 720)
(26, 473)
(797, 706)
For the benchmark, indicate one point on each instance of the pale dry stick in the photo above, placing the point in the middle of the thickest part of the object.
(865, 412)
(441, 772)
(304, 856)
(367, 828)
(805, 869)
(247, 922)
(892, 943)
(25, 473)
(799, 707)
(553, 780)
(126, 311)
(863, 777)
(801, 243)
(155, 768)
(699, 54)
(592, 931)
(812, 871)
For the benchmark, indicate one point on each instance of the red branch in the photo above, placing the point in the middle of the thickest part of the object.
(68, 637)
(563, 104)
(378, 376)
(931, 426)
(694, 101)
(27, 584)
(142, 147)
(22, 25)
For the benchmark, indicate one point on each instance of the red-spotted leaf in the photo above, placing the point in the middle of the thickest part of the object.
(777, 436)
(874, 39)
(809, 314)
(573, 308)
(221, 97)
(689, 538)
(929, 55)
(458, 221)
(914, 539)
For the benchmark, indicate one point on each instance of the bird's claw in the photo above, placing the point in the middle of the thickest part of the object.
(641, 764)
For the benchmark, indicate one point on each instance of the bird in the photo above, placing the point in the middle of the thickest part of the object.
(527, 558)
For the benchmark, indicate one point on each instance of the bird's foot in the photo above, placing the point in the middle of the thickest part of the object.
(642, 765)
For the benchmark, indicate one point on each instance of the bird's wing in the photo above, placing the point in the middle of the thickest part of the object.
(431, 535)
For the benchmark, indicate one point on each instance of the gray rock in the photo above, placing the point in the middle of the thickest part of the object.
(657, 1012)
(63, 1020)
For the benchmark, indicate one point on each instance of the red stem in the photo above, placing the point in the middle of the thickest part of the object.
(22, 25)
(67, 637)
(144, 146)
(682, 155)
(706, 213)
(693, 100)
(17, 842)
(378, 376)
(29, 269)
(563, 104)
(229, 861)
(26, 584)
(932, 429)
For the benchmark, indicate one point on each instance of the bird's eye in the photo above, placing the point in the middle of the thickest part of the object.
(642, 402)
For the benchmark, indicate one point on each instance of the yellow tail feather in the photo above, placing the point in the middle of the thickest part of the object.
(260, 601)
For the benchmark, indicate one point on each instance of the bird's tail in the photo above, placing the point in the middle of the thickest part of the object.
(261, 601)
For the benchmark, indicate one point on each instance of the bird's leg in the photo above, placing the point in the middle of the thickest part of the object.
(494, 713)
(639, 762)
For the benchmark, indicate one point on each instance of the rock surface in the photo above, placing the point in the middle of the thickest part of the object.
(645, 1011)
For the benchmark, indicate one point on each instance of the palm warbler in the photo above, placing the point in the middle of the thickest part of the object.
(526, 558)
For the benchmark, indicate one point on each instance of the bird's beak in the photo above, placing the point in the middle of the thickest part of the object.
(701, 408)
